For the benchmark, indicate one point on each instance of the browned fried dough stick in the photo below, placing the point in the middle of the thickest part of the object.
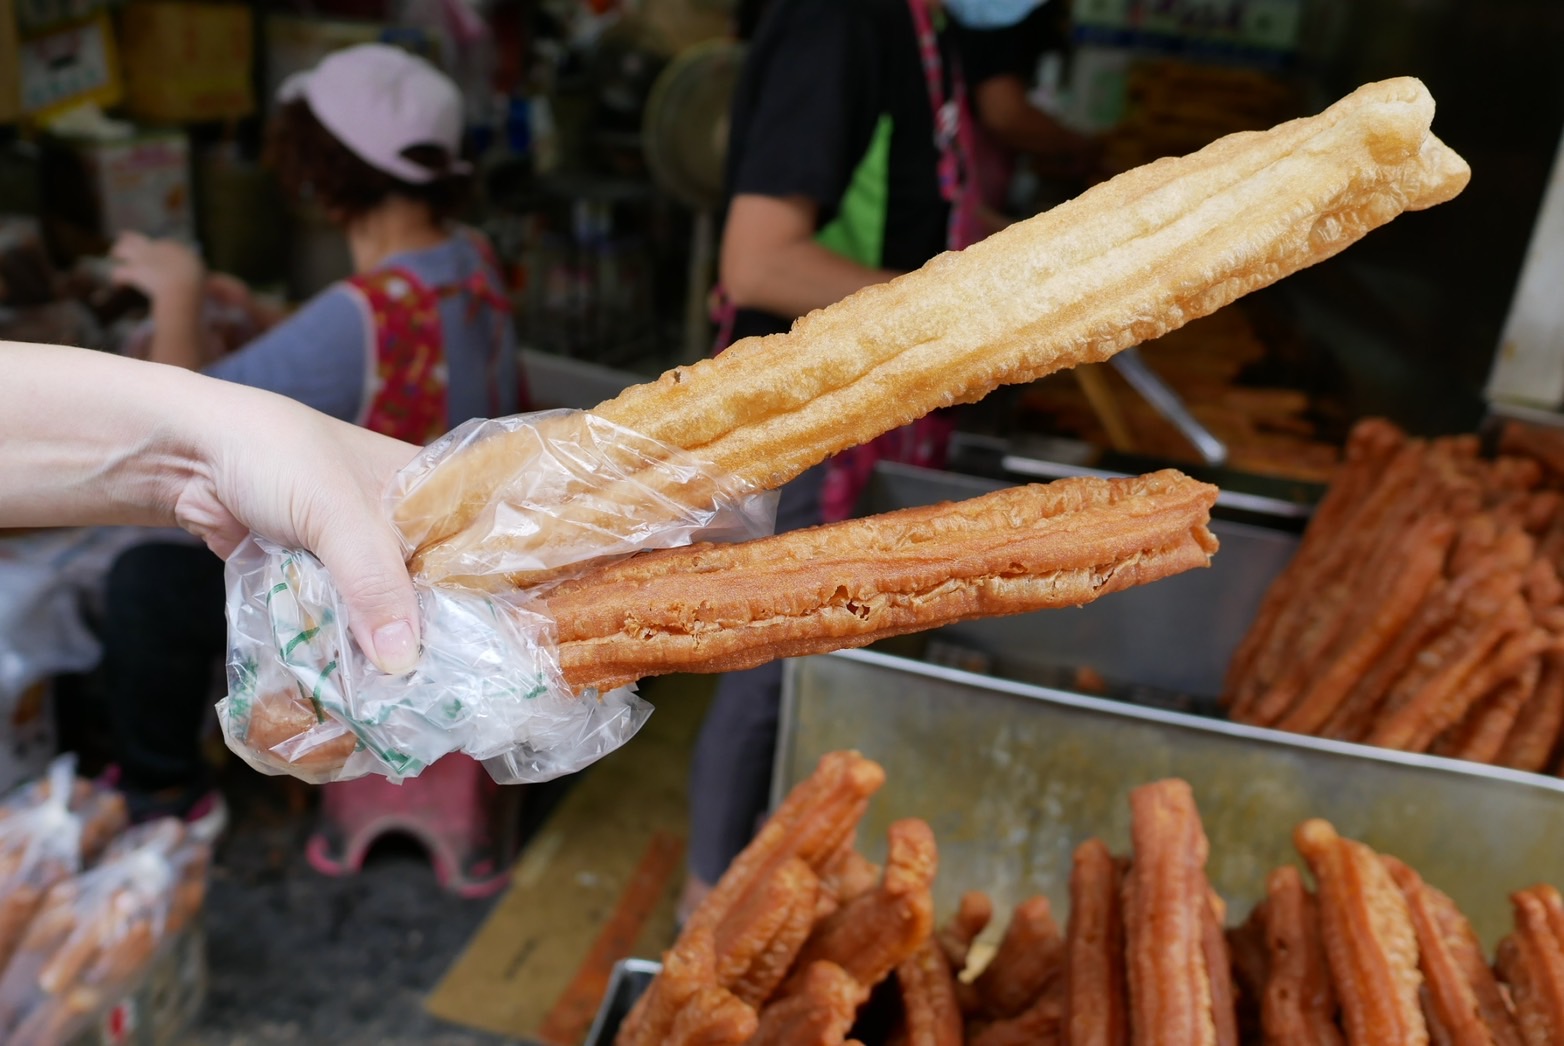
(1219, 968)
(1356, 715)
(1030, 955)
(1369, 448)
(815, 820)
(1531, 963)
(1374, 627)
(1368, 937)
(688, 967)
(760, 938)
(1481, 737)
(931, 1014)
(1298, 1007)
(719, 608)
(972, 916)
(1096, 1001)
(819, 1013)
(1166, 908)
(872, 934)
(1535, 736)
(713, 1017)
(1463, 1002)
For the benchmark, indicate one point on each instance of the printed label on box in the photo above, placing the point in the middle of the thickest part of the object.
(65, 65)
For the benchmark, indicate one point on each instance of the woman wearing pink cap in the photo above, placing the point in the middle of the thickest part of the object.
(418, 340)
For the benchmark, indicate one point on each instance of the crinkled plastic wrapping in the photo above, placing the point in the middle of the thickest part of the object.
(97, 934)
(40, 845)
(304, 700)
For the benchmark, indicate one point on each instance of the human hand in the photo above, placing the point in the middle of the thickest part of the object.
(91, 438)
(305, 480)
(156, 268)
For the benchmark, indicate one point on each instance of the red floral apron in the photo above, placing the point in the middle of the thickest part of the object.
(926, 441)
(409, 386)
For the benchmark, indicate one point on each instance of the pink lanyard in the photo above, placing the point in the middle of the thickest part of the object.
(953, 133)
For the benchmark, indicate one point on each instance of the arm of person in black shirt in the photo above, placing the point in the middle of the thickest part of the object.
(811, 87)
(1010, 117)
(771, 262)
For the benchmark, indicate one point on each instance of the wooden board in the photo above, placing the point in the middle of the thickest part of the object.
(597, 884)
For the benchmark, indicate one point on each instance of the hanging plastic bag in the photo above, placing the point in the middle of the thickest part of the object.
(97, 934)
(302, 698)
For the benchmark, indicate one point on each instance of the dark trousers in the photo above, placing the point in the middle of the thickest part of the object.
(730, 777)
(164, 637)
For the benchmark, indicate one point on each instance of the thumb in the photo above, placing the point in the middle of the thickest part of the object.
(365, 561)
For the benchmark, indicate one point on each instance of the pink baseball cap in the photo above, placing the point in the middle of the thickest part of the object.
(379, 100)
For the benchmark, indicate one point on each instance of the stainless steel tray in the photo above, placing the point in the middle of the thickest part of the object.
(630, 978)
(1013, 776)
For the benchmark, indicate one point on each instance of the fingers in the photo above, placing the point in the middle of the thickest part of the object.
(365, 561)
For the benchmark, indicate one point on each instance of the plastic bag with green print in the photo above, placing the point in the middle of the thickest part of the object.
(303, 700)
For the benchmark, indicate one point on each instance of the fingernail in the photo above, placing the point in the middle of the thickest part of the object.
(396, 648)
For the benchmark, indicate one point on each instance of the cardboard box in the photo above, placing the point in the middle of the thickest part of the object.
(95, 190)
(33, 15)
(187, 62)
(66, 67)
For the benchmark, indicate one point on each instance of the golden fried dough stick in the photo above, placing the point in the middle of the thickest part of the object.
(1375, 625)
(758, 941)
(1370, 447)
(713, 1017)
(1535, 735)
(1462, 1002)
(1369, 940)
(851, 583)
(972, 915)
(931, 1016)
(688, 967)
(819, 1013)
(1481, 737)
(816, 819)
(1030, 956)
(1096, 1005)
(873, 934)
(1166, 913)
(1531, 963)
(1298, 1007)
(1122, 263)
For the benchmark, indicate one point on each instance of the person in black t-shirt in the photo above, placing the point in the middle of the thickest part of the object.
(1000, 64)
(850, 161)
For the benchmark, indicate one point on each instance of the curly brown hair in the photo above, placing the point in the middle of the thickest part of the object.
(310, 161)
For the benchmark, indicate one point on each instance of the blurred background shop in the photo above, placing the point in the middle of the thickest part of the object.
(597, 131)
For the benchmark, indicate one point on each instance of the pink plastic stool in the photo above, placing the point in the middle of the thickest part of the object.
(464, 820)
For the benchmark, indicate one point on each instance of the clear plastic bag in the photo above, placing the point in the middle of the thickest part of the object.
(98, 933)
(302, 698)
(40, 844)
